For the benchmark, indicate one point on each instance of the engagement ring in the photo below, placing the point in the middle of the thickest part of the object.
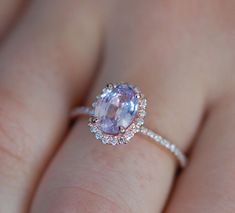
(118, 114)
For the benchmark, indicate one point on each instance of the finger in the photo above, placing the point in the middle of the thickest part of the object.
(208, 183)
(50, 53)
(9, 10)
(86, 176)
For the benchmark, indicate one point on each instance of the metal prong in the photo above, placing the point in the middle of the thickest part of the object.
(94, 120)
(94, 104)
(109, 86)
(122, 129)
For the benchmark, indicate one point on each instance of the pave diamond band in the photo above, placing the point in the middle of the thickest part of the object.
(118, 114)
(166, 144)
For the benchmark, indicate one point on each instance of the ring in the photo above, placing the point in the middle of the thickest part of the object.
(118, 114)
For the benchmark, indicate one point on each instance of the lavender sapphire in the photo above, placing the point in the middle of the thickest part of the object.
(117, 107)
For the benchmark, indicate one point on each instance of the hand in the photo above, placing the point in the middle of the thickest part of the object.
(56, 55)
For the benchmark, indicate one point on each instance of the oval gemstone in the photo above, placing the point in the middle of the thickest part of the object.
(116, 108)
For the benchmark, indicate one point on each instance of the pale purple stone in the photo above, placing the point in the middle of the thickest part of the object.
(116, 107)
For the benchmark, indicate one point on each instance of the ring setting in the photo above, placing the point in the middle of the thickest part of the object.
(118, 114)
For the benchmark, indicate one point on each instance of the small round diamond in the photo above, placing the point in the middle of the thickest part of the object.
(143, 103)
(113, 141)
(140, 121)
(122, 140)
(142, 113)
(98, 135)
(93, 129)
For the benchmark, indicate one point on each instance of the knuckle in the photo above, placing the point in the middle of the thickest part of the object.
(14, 150)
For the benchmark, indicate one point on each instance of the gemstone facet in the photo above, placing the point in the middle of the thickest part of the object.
(116, 108)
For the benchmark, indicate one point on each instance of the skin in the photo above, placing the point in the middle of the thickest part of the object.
(55, 55)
